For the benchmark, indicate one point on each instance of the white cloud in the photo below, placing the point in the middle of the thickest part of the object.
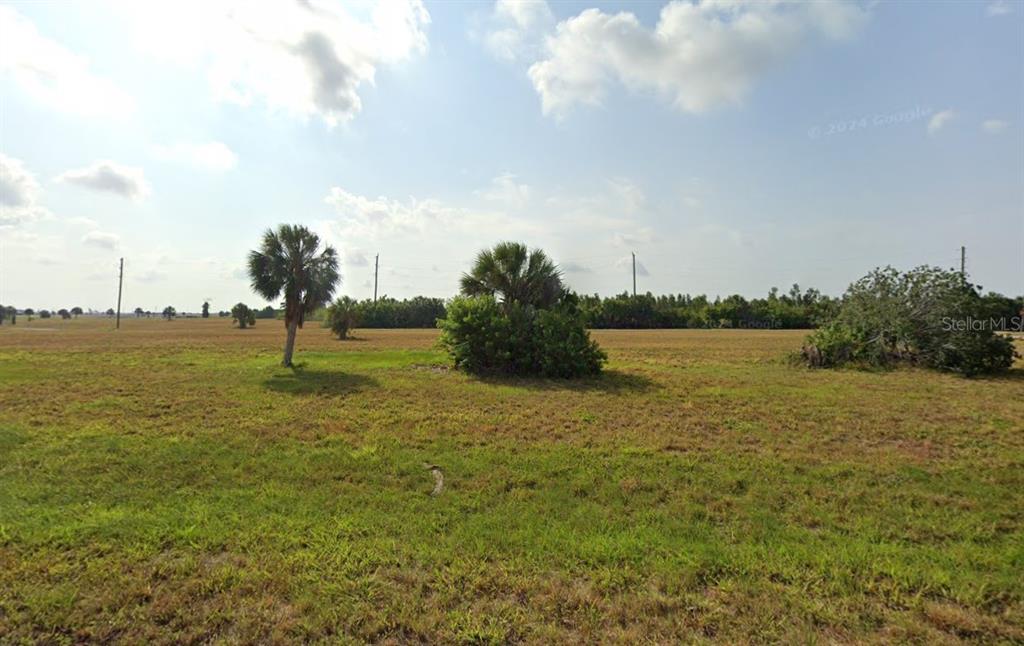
(700, 56)
(627, 263)
(361, 216)
(54, 75)
(994, 126)
(306, 58)
(102, 240)
(150, 276)
(939, 120)
(999, 8)
(19, 193)
(88, 223)
(106, 176)
(630, 196)
(574, 268)
(641, 236)
(212, 156)
(505, 190)
(356, 258)
(517, 28)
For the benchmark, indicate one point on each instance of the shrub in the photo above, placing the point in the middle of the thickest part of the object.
(342, 316)
(485, 337)
(243, 316)
(927, 316)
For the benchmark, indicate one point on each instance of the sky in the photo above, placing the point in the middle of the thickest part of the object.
(733, 147)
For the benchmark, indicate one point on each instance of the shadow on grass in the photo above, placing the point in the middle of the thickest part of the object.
(303, 381)
(609, 381)
(1013, 374)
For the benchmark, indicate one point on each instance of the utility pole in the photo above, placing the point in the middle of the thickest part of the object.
(634, 274)
(376, 265)
(963, 261)
(120, 282)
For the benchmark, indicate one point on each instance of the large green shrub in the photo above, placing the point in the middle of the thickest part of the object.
(927, 316)
(487, 337)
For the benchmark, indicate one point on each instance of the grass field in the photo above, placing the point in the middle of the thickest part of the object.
(170, 483)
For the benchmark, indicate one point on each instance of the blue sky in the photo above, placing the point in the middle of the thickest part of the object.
(734, 147)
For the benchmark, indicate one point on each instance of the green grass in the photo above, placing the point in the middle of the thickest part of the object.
(176, 487)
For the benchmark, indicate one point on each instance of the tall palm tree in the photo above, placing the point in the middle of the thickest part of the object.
(289, 262)
(515, 273)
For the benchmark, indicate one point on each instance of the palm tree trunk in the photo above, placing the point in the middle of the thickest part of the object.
(289, 344)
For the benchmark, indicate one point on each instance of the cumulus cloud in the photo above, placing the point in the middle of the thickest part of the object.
(640, 236)
(374, 217)
(627, 263)
(212, 156)
(630, 196)
(101, 240)
(54, 75)
(506, 190)
(939, 121)
(356, 258)
(999, 8)
(305, 58)
(19, 193)
(517, 28)
(106, 176)
(699, 55)
(418, 224)
(994, 126)
(574, 268)
(150, 276)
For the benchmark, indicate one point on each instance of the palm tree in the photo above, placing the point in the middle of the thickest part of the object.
(517, 274)
(289, 262)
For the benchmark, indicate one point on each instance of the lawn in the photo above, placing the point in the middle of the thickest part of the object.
(169, 482)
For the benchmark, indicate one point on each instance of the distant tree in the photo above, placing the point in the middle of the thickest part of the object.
(243, 316)
(342, 315)
(206, 309)
(44, 314)
(139, 312)
(110, 312)
(29, 312)
(169, 313)
(76, 311)
(516, 274)
(223, 313)
(289, 263)
(3, 313)
(267, 312)
(64, 314)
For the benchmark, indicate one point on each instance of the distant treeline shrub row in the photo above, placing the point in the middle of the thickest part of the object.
(795, 310)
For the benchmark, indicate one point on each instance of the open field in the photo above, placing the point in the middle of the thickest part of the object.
(170, 483)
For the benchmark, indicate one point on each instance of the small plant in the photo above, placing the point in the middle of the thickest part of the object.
(243, 316)
(342, 316)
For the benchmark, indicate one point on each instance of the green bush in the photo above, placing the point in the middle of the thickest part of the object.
(243, 315)
(485, 337)
(342, 315)
(927, 316)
